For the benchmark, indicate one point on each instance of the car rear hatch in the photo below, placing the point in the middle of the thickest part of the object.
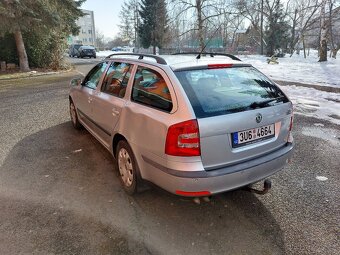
(241, 114)
(88, 51)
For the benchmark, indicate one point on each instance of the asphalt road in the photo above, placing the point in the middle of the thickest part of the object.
(59, 193)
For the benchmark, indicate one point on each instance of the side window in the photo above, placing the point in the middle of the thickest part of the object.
(116, 79)
(150, 88)
(92, 79)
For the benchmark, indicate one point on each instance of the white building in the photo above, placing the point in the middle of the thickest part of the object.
(87, 33)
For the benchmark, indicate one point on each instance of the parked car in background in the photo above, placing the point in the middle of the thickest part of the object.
(193, 125)
(73, 50)
(117, 49)
(86, 51)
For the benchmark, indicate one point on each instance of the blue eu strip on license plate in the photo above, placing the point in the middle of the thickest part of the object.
(235, 138)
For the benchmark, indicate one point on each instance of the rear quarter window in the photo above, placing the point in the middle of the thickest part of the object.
(150, 89)
(228, 90)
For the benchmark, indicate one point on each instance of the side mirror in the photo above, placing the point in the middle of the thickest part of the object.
(75, 82)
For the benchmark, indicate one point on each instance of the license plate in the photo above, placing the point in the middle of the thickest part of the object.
(253, 135)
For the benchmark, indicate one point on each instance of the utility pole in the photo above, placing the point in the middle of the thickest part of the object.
(261, 27)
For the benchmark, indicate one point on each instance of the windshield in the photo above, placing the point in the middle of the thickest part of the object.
(228, 90)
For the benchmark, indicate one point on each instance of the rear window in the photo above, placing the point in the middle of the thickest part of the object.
(220, 91)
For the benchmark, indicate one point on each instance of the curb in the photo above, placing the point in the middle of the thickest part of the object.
(30, 75)
(318, 87)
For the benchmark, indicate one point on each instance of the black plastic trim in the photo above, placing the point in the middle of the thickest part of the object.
(159, 60)
(288, 148)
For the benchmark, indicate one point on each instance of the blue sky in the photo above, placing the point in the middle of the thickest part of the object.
(106, 15)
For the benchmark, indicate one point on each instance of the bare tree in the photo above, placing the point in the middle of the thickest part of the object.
(301, 13)
(334, 28)
(202, 12)
(323, 32)
(129, 21)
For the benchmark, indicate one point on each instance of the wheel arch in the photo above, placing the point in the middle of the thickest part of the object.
(117, 137)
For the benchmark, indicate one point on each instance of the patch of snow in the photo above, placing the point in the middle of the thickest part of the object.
(319, 125)
(314, 103)
(77, 151)
(321, 178)
(326, 134)
(108, 52)
(299, 69)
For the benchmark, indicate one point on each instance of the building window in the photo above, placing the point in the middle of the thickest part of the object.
(90, 39)
(90, 31)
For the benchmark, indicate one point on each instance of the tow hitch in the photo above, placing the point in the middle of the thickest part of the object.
(267, 184)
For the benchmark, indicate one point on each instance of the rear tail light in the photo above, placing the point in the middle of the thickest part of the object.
(183, 139)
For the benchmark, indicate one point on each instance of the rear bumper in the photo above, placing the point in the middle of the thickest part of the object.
(222, 179)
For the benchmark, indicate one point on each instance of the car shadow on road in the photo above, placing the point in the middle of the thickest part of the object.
(65, 168)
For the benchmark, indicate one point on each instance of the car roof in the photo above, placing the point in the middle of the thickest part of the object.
(181, 61)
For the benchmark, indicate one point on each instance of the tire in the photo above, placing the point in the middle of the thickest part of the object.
(74, 117)
(127, 167)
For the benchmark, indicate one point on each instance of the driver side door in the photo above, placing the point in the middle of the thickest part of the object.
(86, 92)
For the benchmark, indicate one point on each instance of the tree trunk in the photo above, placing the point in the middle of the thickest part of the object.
(200, 23)
(261, 34)
(333, 48)
(304, 46)
(23, 60)
(292, 44)
(323, 34)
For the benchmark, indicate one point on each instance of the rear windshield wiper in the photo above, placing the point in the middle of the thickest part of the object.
(255, 105)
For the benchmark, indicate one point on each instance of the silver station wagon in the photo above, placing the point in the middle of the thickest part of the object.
(194, 125)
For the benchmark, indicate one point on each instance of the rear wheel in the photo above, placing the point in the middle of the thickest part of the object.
(127, 167)
(74, 116)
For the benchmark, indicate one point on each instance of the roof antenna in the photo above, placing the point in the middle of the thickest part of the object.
(199, 55)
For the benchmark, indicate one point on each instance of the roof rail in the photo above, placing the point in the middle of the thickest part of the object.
(211, 54)
(140, 56)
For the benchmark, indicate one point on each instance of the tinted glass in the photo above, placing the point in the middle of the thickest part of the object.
(116, 79)
(228, 90)
(93, 78)
(150, 89)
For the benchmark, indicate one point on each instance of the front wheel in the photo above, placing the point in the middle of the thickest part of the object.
(127, 167)
(74, 116)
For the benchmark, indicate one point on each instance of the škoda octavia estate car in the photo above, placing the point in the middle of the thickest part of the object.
(193, 125)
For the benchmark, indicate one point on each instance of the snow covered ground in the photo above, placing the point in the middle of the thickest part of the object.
(108, 52)
(307, 101)
(314, 103)
(299, 69)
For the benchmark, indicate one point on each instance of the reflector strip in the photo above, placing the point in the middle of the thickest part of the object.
(193, 193)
